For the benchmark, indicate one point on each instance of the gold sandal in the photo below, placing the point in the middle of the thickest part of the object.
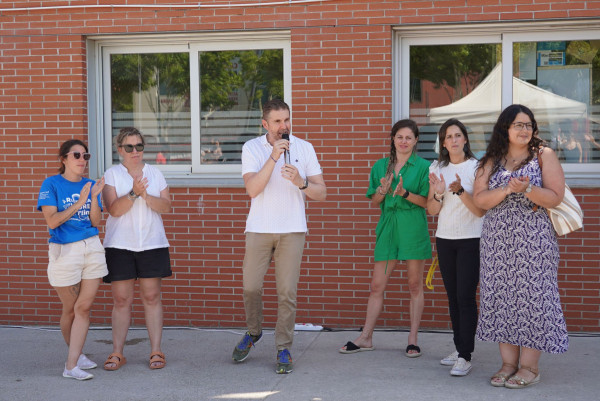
(500, 379)
(519, 382)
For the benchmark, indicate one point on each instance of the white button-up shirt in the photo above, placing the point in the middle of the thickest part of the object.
(141, 228)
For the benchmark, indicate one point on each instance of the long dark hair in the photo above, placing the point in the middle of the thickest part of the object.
(65, 148)
(497, 149)
(444, 157)
(406, 123)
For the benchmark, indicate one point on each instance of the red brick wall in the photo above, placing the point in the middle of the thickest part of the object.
(341, 80)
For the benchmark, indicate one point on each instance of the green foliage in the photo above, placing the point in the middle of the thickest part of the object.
(460, 67)
(136, 73)
(257, 74)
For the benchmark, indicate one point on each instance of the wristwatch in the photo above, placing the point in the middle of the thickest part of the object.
(131, 195)
(305, 184)
(406, 194)
(528, 189)
(460, 191)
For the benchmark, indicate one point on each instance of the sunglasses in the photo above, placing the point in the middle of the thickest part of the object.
(129, 148)
(77, 155)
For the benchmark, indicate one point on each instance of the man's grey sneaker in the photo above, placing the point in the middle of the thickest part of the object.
(76, 373)
(450, 360)
(85, 363)
(242, 349)
(284, 362)
(461, 368)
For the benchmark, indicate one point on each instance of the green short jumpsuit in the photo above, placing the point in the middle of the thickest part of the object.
(402, 232)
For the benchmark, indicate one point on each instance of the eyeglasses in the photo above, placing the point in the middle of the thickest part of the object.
(129, 148)
(77, 155)
(520, 126)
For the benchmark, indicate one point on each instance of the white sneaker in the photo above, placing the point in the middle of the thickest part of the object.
(450, 360)
(77, 373)
(461, 368)
(85, 363)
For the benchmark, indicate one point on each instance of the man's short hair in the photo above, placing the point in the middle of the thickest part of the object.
(274, 104)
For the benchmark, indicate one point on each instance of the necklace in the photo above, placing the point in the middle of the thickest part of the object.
(516, 160)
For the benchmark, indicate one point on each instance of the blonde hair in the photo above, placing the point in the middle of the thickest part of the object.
(125, 132)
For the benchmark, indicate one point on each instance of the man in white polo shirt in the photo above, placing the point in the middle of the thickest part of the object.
(276, 224)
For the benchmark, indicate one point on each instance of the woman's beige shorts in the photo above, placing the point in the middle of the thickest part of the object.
(70, 263)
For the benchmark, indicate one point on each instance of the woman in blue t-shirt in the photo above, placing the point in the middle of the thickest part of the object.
(72, 208)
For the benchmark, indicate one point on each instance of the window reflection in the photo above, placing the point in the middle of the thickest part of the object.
(233, 87)
(152, 93)
(567, 105)
(455, 81)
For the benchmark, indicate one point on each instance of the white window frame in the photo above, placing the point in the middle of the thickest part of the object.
(99, 50)
(578, 175)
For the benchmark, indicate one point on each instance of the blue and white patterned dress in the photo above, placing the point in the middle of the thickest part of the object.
(519, 299)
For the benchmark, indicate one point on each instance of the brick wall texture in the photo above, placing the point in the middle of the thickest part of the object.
(342, 99)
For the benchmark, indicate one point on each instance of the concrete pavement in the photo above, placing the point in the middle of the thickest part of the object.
(199, 367)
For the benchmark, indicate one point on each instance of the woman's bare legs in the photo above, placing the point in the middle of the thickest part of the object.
(415, 287)
(150, 293)
(529, 367)
(121, 314)
(78, 299)
(381, 275)
(510, 360)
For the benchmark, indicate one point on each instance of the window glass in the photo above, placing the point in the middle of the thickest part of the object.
(151, 92)
(560, 82)
(455, 81)
(233, 87)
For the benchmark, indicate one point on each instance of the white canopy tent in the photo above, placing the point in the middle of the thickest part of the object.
(483, 104)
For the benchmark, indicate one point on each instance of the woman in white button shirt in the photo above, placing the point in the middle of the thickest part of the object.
(136, 246)
(451, 181)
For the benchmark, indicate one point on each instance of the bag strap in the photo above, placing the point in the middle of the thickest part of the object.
(540, 163)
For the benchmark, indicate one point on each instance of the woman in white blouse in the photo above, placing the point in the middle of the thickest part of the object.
(451, 181)
(136, 246)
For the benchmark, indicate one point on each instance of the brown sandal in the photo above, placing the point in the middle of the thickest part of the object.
(157, 357)
(121, 360)
(503, 377)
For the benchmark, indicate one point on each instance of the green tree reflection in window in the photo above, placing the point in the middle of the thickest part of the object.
(152, 92)
(233, 87)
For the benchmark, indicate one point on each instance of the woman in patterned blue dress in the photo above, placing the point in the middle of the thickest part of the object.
(519, 302)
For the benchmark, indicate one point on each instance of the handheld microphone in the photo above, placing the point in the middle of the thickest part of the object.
(286, 153)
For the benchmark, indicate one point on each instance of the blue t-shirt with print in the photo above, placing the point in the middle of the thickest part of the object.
(62, 193)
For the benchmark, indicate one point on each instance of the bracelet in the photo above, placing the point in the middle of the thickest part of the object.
(273, 159)
(435, 197)
(406, 194)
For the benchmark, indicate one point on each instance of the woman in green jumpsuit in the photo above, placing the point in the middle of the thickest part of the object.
(399, 185)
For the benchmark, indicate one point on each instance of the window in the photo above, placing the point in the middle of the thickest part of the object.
(455, 80)
(196, 98)
(565, 76)
(473, 72)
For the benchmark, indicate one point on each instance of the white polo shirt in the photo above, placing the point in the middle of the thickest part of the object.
(455, 220)
(279, 208)
(141, 228)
